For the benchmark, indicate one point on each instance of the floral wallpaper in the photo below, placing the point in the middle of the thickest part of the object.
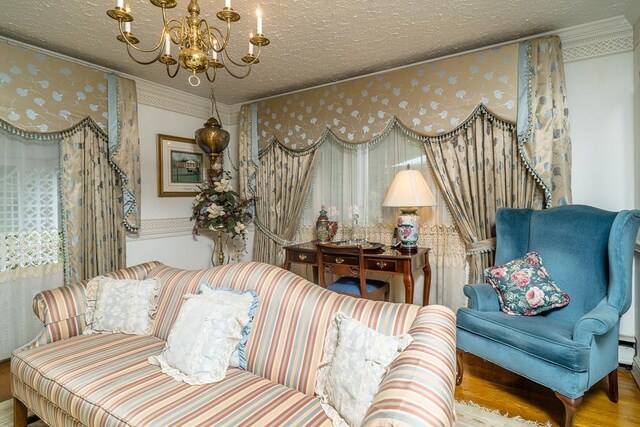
(428, 98)
(41, 93)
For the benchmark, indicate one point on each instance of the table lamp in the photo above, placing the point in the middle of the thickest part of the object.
(409, 191)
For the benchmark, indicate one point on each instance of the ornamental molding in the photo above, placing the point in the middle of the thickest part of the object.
(167, 98)
(605, 37)
(167, 227)
(163, 227)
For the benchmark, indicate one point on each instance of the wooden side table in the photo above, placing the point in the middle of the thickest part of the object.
(390, 261)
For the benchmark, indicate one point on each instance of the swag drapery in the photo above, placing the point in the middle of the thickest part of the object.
(47, 101)
(485, 152)
(93, 117)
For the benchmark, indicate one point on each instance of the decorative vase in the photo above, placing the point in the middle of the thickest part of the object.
(408, 228)
(333, 230)
(218, 256)
(322, 227)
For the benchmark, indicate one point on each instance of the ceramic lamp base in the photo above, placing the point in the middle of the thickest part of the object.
(408, 228)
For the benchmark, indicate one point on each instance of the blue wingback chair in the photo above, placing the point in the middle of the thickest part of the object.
(588, 252)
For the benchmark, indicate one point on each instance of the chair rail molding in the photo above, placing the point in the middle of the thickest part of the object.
(599, 38)
(166, 227)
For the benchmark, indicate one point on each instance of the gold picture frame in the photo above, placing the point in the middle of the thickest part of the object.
(182, 166)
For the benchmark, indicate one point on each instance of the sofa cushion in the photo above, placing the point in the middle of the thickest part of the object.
(538, 336)
(104, 379)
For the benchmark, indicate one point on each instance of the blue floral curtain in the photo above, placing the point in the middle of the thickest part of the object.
(543, 117)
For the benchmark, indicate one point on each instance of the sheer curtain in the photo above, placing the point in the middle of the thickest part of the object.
(30, 256)
(351, 182)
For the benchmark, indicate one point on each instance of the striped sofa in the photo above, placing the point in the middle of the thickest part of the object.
(71, 379)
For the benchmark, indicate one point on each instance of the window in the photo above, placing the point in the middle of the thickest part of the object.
(29, 204)
(352, 181)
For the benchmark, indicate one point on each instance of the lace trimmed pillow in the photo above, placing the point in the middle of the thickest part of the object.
(208, 329)
(524, 286)
(238, 357)
(354, 362)
(126, 306)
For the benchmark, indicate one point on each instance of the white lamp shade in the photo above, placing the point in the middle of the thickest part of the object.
(409, 189)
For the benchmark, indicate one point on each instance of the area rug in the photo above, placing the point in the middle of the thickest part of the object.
(469, 415)
(472, 415)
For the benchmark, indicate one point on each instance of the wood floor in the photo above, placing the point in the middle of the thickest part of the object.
(496, 388)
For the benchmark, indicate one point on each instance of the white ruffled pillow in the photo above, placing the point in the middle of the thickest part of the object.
(126, 306)
(238, 357)
(208, 329)
(354, 362)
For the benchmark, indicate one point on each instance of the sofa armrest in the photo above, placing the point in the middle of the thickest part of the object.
(61, 311)
(482, 297)
(419, 388)
(598, 321)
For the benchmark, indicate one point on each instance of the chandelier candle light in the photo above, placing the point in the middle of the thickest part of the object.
(408, 191)
(201, 46)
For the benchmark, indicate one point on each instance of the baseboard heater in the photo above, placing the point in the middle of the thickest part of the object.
(626, 350)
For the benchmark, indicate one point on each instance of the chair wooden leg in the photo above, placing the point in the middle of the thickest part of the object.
(459, 366)
(19, 413)
(570, 408)
(613, 386)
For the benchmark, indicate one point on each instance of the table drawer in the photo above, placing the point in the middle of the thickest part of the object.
(341, 259)
(381, 264)
(305, 257)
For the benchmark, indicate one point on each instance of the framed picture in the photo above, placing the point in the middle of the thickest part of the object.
(181, 166)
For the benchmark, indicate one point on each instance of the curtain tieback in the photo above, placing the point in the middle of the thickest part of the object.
(481, 247)
(279, 240)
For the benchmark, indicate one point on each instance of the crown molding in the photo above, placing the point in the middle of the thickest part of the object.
(157, 95)
(633, 16)
(599, 38)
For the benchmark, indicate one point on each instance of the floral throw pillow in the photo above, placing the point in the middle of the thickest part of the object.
(524, 286)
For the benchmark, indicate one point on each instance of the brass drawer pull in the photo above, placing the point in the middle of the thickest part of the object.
(339, 260)
(302, 257)
(381, 264)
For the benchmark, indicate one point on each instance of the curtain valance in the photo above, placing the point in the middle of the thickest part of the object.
(427, 98)
(42, 93)
(44, 97)
(520, 83)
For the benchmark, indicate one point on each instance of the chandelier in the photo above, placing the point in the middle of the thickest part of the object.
(202, 47)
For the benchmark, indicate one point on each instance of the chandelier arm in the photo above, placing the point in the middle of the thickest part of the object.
(234, 62)
(142, 62)
(129, 44)
(225, 38)
(169, 71)
(206, 73)
(212, 37)
(228, 69)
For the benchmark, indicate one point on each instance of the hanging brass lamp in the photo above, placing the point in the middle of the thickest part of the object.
(213, 139)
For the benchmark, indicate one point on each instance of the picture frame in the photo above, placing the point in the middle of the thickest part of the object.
(182, 166)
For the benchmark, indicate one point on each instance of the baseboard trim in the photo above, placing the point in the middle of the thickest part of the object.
(635, 370)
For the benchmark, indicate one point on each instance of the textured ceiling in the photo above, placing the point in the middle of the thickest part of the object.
(312, 42)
